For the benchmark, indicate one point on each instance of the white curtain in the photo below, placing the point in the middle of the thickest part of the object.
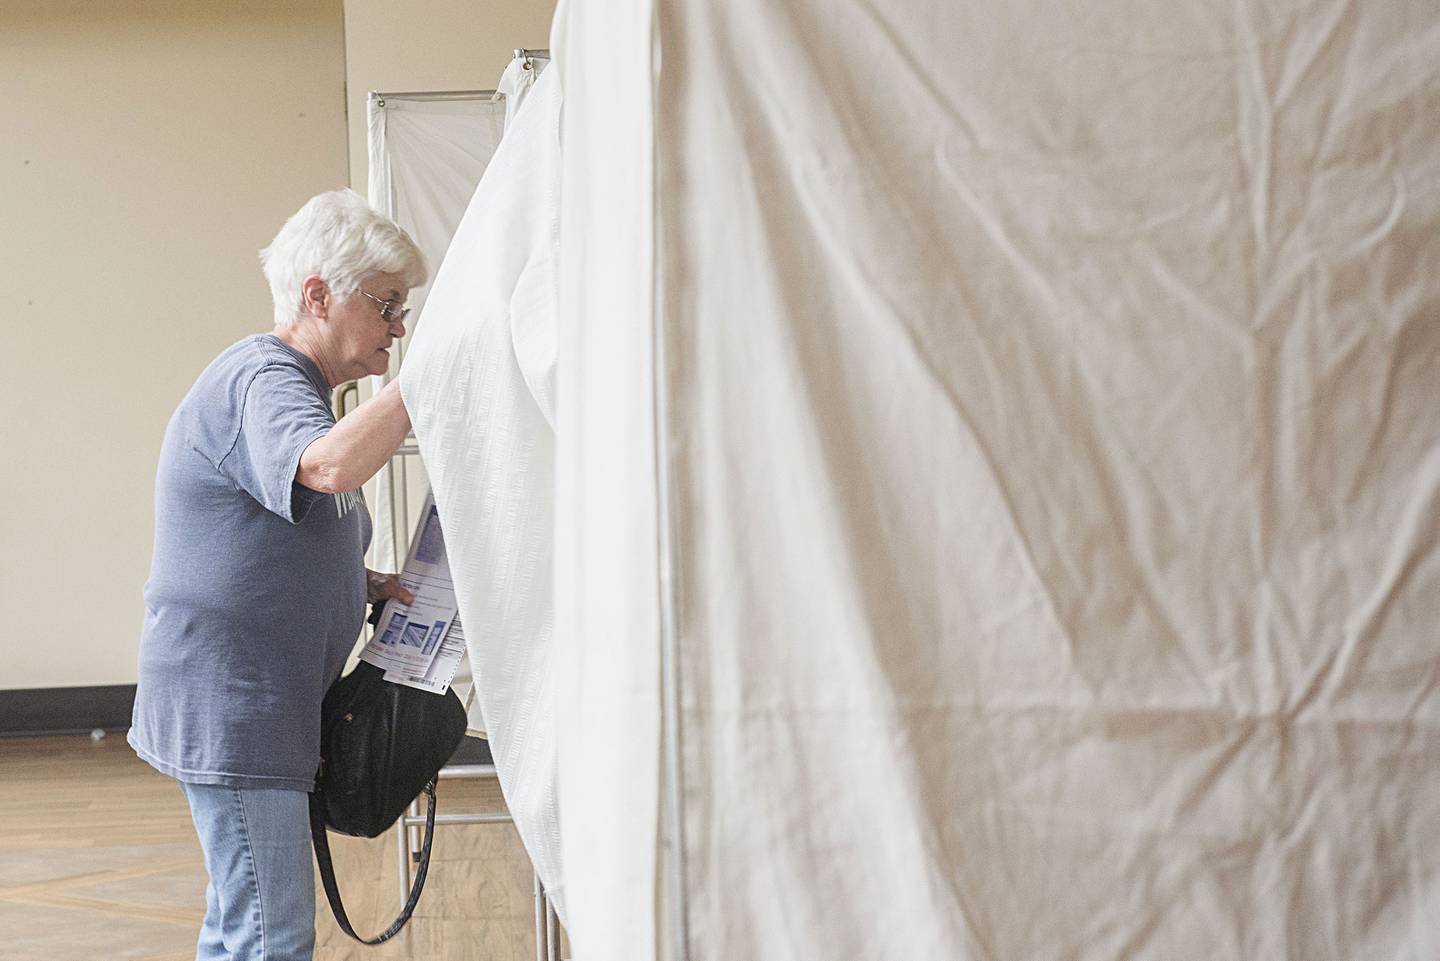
(516, 82)
(479, 383)
(607, 663)
(426, 156)
(1016, 427)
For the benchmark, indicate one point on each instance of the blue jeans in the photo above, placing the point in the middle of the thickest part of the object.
(260, 902)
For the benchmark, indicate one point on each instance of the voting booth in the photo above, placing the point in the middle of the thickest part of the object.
(985, 471)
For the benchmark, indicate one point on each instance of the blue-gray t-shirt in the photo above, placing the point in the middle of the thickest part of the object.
(257, 587)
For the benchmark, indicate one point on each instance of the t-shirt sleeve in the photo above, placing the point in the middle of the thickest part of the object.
(281, 416)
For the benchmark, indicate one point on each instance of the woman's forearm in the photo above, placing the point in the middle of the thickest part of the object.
(358, 446)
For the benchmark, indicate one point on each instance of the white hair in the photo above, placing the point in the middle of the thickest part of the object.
(340, 238)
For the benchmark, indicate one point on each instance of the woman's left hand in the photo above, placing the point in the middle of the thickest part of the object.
(380, 588)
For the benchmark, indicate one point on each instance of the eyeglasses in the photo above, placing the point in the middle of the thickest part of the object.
(390, 311)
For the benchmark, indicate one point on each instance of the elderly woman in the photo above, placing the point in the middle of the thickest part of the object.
(258, 587)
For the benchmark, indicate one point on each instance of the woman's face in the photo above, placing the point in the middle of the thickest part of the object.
(361, 336)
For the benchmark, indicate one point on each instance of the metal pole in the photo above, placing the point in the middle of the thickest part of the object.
(402, 856)
(540, 920)
(415, 818)
(460, 819)
(407, 827)
(675, 943)
(469, 770)
(400, 509)
(552, 931)
(426, 95)
(545, 910)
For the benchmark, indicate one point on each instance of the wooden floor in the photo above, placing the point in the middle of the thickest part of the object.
(99, 862)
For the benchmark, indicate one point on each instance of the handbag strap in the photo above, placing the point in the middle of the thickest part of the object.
(327, 869)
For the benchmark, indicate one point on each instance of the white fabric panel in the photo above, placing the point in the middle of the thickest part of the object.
(426, 156)
(515, 85)
(1053, 417)
(478, 383)
(607, 648)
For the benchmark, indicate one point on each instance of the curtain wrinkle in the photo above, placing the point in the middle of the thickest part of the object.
(1057, 495)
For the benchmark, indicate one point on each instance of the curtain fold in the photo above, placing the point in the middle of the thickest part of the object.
(488, 447)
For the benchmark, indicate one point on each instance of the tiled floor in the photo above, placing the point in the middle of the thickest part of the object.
(99, 862)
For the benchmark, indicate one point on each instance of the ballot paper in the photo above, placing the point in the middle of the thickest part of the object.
(420, 644)
(442, 669)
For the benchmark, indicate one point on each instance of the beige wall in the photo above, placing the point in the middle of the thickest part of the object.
(149, 149)
(431, 45)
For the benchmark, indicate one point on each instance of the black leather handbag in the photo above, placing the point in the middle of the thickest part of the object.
(381, 746)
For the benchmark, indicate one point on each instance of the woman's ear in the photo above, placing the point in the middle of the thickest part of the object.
(314, 296)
